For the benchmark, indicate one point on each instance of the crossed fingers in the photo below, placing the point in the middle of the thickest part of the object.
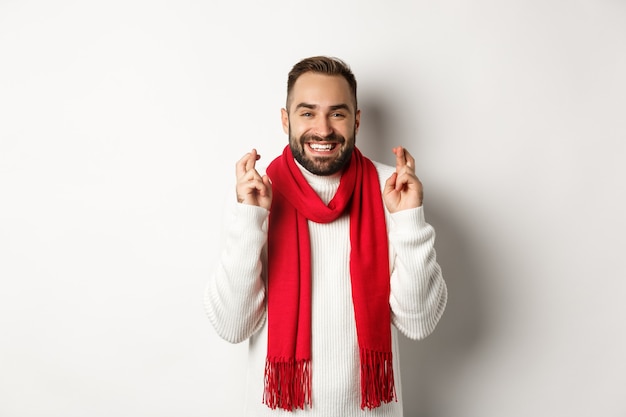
(403, 190)
(245, 166)
(252, 188)
(405, 168)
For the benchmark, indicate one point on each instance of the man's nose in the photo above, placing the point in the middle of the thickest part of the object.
(323, 127)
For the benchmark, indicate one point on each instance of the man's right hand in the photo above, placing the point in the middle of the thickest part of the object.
(251, 187)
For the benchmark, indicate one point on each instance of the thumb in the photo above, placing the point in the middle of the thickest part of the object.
(268, 184)
(390, 184)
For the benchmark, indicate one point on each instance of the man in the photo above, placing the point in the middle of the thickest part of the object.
(327, 256)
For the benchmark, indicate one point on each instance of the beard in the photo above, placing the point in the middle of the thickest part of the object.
(321, 165)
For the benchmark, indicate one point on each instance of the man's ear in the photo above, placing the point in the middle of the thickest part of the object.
(357, 121)
(284, 116)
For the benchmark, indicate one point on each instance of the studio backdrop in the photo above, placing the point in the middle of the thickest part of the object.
(120, 126)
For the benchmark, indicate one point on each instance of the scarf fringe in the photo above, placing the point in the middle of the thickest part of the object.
(377, 381)
(287, 384)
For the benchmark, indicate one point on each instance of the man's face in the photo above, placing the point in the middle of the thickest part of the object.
(321, 122)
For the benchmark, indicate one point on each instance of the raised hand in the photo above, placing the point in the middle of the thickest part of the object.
(252, 188)
(403, 190)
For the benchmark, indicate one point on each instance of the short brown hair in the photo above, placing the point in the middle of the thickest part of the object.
(322, 65)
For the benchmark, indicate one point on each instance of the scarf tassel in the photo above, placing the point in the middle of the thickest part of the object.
(287, 384)
(377, 381)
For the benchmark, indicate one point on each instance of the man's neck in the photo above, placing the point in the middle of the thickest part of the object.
(324, 185)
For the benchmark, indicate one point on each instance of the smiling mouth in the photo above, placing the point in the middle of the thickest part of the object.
(322, 147)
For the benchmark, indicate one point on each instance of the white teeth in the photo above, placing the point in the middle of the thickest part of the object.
(321, 147)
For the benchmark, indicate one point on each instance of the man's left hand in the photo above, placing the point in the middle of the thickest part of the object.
(403, 190)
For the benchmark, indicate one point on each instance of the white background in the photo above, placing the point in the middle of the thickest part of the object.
(121, 121)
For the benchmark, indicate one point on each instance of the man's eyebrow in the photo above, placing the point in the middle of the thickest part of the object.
(306, 106)
(342, 106)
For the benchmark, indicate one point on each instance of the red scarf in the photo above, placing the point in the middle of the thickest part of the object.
(288, 363)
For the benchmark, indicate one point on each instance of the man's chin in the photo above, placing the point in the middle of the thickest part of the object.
(323, 166)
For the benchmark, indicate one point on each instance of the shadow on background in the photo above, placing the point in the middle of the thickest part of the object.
(430, 366)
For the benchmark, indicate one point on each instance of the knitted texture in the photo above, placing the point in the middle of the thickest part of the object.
(235, 302)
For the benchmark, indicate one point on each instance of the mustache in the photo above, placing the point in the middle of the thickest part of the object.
(333, 137)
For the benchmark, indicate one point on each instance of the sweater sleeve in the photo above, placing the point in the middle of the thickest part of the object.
(234, 297)
(418, 291)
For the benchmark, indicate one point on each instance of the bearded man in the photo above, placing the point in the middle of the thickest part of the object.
(326, 258)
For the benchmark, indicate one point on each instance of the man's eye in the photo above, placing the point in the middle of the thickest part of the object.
(307, 114)
(338, 115)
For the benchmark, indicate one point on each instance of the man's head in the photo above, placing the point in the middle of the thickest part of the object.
(321, 117)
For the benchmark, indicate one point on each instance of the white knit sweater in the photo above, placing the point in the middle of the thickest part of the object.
(235, 301)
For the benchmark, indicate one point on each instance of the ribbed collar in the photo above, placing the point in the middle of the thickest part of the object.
(324, 185)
